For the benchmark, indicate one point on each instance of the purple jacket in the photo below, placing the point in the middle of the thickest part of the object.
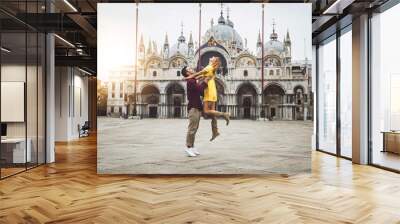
(194, 92)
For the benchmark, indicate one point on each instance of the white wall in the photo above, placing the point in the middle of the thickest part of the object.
(71, 102)
(34, 124)
(16, 73)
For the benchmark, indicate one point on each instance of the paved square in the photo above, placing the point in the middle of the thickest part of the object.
(155, 146)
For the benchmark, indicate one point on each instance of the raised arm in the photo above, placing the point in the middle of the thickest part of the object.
(196, 75)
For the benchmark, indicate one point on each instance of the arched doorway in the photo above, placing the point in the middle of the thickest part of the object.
(299, 100)
(150, 99)
(247, 107)
(247, 101)
(223, 70)
(175, 100)
(273, 99)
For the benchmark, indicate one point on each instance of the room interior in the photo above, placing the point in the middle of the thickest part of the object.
(49, 91)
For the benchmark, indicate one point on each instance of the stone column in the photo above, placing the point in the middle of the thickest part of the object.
(360, 90)
(305, 112)
(50, 94)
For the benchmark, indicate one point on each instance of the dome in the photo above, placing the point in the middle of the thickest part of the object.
(274, 46)
(224, 33)
(229, 22)
(180, 47)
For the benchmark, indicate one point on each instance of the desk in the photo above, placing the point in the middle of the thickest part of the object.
(391, 141)
(13, 150)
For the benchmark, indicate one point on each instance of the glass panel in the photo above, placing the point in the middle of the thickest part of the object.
(22, 88)
(327, 96)
(32, 88)
(386, 89)
(13, 87)
(31, 97)
(346, 93)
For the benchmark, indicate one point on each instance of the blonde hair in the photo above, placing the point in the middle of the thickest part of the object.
(217, 62)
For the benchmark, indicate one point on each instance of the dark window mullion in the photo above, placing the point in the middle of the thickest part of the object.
(0, 92)
(26, 87)
(369, 90)
(338, 98)
(37, 90)
(316, 101)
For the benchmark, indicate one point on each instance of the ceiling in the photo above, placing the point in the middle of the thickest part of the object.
(75, 22)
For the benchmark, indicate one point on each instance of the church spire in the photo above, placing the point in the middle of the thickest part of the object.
(141, 48)
(287, 36)
(190, 46)
(165, 50)
(149, 47)
(181, 28)
(228, 21)
(181, 38)
(166, 40)
(190, 39)
(221, 19)
(141, 43)
(274, 35)
(155, 49)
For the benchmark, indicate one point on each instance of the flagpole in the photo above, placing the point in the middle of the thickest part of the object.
(262, 64)
(136, 61)
(199, 60)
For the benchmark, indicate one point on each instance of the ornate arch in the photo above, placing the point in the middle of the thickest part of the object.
(248, 84)
(153, 59)
(171, 84)
(251, 58)
(148, 84)
(272, 59)
(179, 60)
(150, 94)
(205, 48)
(299, 86)
(274, 84)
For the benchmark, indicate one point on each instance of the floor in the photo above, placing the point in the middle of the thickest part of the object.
(387, 159)
(10, 171)
(70, 191)
(156, 146)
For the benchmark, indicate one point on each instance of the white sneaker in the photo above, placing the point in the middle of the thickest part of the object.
(194, 150)
(189, 152)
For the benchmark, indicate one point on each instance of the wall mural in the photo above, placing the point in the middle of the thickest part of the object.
(161, 120)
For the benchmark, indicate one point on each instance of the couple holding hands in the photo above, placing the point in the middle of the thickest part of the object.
(200, 84)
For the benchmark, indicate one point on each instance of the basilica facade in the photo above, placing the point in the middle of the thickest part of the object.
(283, 92)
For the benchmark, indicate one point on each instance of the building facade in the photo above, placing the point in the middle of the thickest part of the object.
(283, 92)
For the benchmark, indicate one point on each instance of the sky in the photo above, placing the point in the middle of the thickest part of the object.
(117, 24)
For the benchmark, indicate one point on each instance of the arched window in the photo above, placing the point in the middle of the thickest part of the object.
(271, 72)
(178, 73)
(245, 73)
(278, 72)
(154, 73)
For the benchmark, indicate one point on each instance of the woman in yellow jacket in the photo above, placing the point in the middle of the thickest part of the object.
(210, 94)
